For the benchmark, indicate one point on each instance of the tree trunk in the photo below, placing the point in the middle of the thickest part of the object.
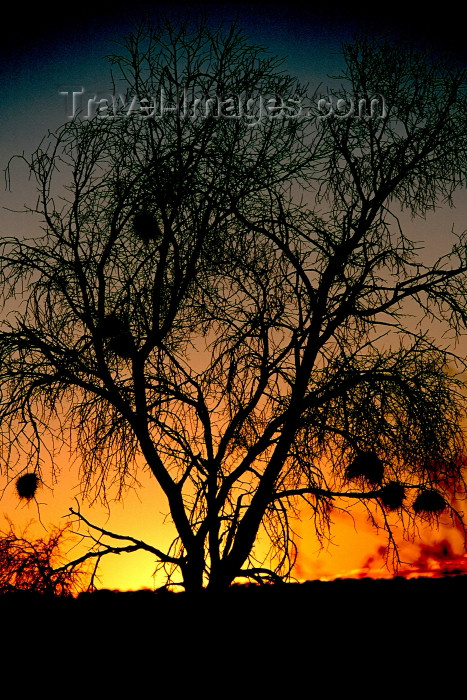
(192, 572)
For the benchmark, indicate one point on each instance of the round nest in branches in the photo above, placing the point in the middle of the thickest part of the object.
(429, 501)
(367, 465)
(145, 226)
(122, 345)
(116, 330)
(393, 495)
(112, 325)
(26, 486)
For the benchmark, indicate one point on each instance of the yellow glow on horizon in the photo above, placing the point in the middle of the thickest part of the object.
(352, 551)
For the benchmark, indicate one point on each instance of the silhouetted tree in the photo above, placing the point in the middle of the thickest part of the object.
(221, 296)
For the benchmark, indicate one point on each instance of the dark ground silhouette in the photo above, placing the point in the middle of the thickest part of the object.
(316, 639)
(434, 603)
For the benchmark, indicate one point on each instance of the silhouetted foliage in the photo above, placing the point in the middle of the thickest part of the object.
(35, 564)
(222, 299)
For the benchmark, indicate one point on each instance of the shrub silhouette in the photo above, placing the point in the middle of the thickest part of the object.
(35, 564)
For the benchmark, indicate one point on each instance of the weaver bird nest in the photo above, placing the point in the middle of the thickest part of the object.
(367, 465)
(429, 501)
(115, 329)
(145, 226)
(26, 486)
(393, 495)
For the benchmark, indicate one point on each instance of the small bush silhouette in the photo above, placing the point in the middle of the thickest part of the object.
(26, 486)
(34, 564)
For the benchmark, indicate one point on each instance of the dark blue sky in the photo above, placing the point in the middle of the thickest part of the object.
(39, 27)
(35, 30)
(44, 50)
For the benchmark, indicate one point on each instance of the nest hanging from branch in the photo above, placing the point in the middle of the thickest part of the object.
(429, 501)
(393, 495)
(115, 329)
(122, 345)
(112, 325)
(145, 226)
(367, 465)
(26, 486)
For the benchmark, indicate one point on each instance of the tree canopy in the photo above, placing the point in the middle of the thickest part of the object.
(226, 294)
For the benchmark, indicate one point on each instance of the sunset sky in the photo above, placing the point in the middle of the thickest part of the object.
(44, 56)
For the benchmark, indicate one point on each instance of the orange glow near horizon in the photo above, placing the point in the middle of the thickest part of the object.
(140, 514)
(355, 549)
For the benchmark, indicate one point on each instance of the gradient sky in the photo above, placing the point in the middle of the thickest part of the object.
(39, 56)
